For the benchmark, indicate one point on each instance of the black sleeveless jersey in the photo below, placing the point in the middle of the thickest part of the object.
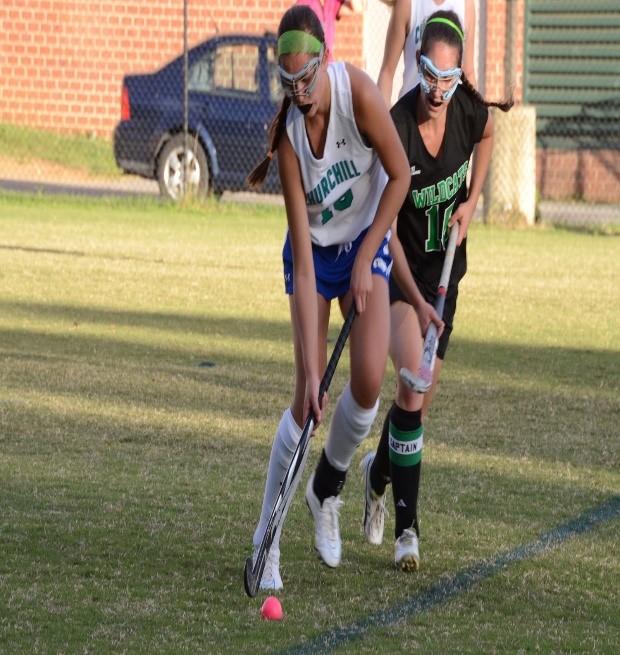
(438, 185)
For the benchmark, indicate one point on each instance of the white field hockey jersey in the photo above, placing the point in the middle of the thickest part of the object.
(420, 12)
(342, 188)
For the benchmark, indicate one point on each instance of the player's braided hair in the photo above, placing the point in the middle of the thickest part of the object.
(471, 91)
(444, 32)
(298, 17)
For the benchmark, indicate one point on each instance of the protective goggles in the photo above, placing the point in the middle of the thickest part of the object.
(432, 78)
(302, 82)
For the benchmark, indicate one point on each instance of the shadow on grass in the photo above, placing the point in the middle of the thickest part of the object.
(557, 362)
(235, 388)
(506, 398)
(611, 229)
(551, 364)
(234, 327)
(582, 370)
(75, 346)
(77, 253)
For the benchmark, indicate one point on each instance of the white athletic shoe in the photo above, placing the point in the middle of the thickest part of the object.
(326, 530)
(407, 552)
(374, 506)
(271, 580)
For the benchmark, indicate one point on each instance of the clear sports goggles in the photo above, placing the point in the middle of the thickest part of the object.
(306, 78)
(432, 78)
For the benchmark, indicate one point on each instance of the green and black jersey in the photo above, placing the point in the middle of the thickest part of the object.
(437, 186)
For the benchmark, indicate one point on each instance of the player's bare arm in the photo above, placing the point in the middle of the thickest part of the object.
(375, 124)
(482, 158)
(470, 41)
(398, 28)
(305, 285)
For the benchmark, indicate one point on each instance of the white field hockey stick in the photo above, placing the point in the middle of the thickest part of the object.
(253, 571)
(422, 381)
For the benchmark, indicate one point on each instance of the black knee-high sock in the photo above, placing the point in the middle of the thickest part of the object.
(405, 452)
(380, 468)
(328, 481)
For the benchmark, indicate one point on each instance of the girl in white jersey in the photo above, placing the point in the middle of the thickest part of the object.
(344, 176)
(404, 35)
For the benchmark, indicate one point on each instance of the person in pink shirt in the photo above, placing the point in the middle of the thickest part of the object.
(328, 12)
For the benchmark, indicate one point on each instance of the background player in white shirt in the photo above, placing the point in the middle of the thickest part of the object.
(404, 35)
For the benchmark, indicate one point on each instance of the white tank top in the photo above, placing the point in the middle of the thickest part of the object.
(420, 11)
(342, 188)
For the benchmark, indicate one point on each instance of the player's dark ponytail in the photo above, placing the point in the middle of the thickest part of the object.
(276, 129)
(448, 29)
(298, 17)
(472, 92)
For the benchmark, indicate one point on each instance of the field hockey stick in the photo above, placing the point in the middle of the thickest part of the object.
(422, 381)
(254, 568)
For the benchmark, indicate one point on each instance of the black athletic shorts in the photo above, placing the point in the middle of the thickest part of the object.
(448, 311)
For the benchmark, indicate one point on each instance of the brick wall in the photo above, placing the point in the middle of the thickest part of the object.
(590, 175)
(503, 48)
(63, 60)
(494, 50)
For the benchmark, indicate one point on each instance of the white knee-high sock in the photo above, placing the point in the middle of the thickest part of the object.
(284, 444)
(349, 427)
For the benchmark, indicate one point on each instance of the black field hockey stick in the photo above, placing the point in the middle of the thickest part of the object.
(253, 571)
(422, 380)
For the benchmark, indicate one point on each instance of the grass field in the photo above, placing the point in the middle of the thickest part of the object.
(145, 364)
(72, 151)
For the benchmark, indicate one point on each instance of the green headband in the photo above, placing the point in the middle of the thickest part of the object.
(298, 41)
(447, 21)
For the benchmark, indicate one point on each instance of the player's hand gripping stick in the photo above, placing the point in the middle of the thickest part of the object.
(422, 380)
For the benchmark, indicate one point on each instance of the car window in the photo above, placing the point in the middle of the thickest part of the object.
(229, 69)
(275, 87)
(201, 74)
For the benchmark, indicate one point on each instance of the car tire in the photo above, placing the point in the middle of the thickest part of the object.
(170, 167)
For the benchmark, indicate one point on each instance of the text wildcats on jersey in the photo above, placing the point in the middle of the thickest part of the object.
(443, 190)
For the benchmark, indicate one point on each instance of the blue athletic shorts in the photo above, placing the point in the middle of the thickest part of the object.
(333, 265)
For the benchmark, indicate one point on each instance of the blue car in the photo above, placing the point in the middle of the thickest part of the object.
(234, 92)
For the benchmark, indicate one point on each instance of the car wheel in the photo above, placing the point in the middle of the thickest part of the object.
(173, 162)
